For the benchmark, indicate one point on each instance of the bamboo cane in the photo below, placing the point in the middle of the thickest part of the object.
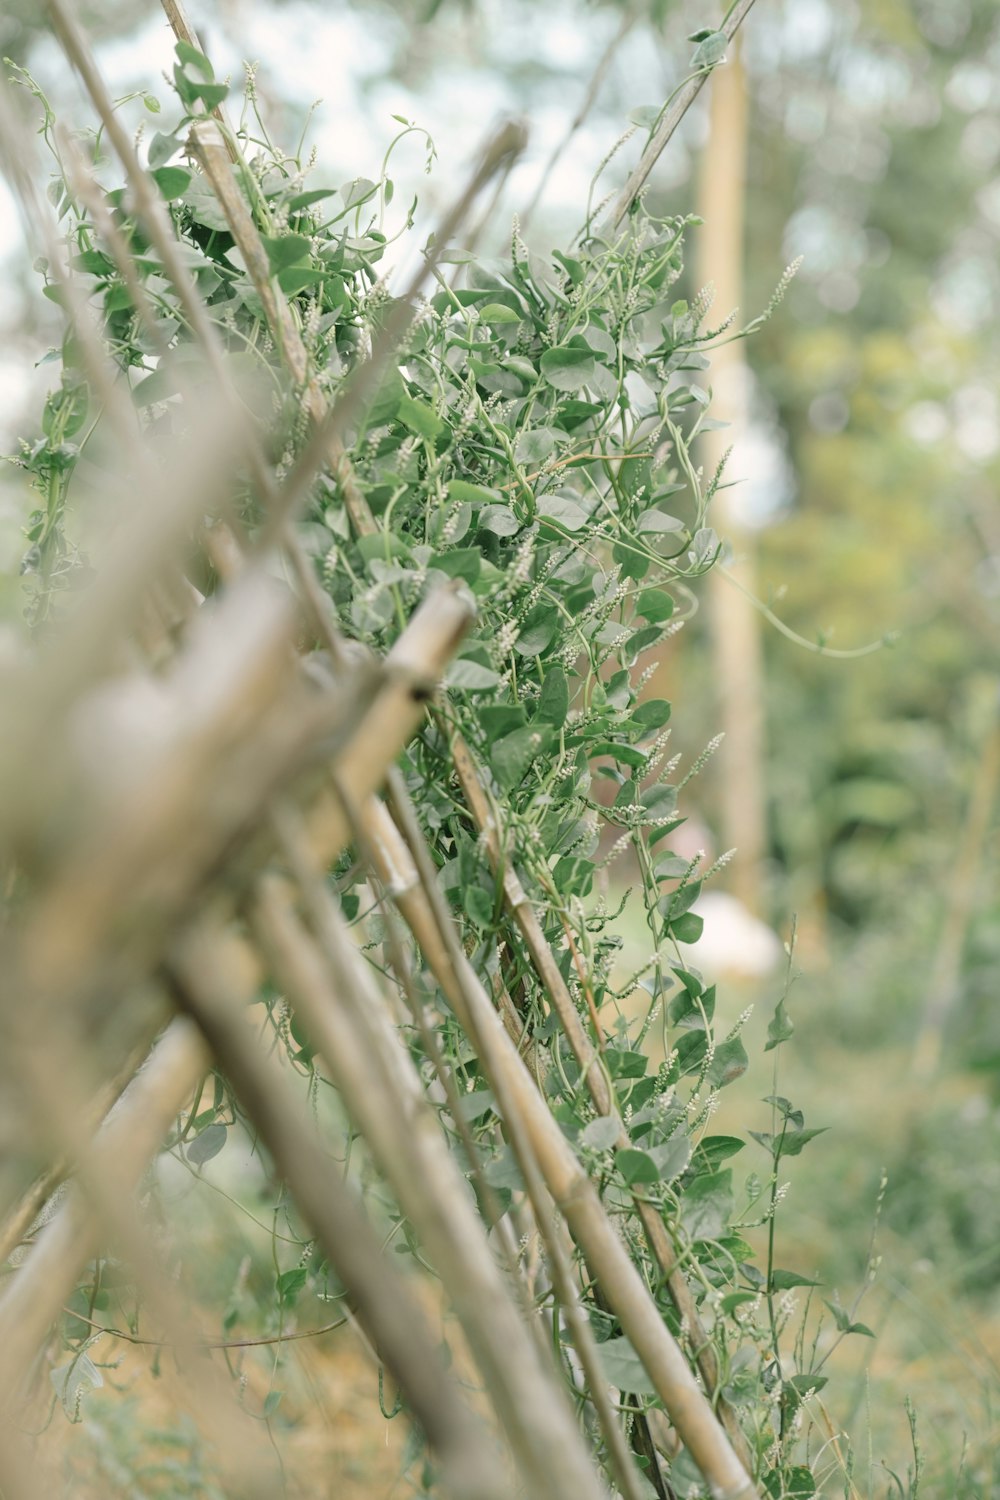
(215, 997)
(550, 1229)
(672, 117)
(575, 1195)
(130, 1136)
(523, 915)
(347, 1024)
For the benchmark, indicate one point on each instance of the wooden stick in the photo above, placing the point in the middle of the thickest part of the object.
(130, 1136)
(549, 1227)
(216, 998)
(673, 115)
(53, 1099)
(578, 1200)
(347, 1023)
(523, 915)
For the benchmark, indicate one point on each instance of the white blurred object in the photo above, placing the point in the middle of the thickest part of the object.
(733, 942)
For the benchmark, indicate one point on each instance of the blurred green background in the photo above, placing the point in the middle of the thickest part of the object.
(868, 458)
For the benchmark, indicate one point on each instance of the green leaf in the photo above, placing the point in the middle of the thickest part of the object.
(207, 1144)
(672, 1157)
(624, 1368)
(779, 1028)
(650, 635)
(553, 700)
(420, 418)
(536, 632)
(709, 50)
(94, 262)
(459, 562)
(792, 1143)
(658, 521)
(357, 191)
(502, 1171)
(564, 512)
(844, 1324)
(162, 148)
(573, 414)
(729, 1063)
(652, 714)
(732, 1300)
(469, 677)
(496, 312)
(797, 1386)
(204, 205)
(534, 445)
(306, 199)
(474, 1105)
(654, 605)
(573, 268)
(669, 866)
(783, 1281)
(498, 719)
(477, 904)
(511, 756)
(192, 57)
(688, 927)
(705, 546)
(211, 94)
(381, 545)
(692, 1009)
(173, 182)
(625, 755)
(499, 519)
(568, 367)
(636, 1167)
(796, 1483)
(290, 1284)
(716, 1148)
(285, 250)
(601, 1134)
(659, 801)
(117, 298)
(461, 492)
(675, 903)
(707, 1205)
(386, 403)
(624, 1062)
(295, 278)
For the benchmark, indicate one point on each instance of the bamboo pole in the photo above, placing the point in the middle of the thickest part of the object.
(422, 652)
(579, 1203)
(553, 1233)
(54, 1101)
(129, 1138)
(673, 114)
(572, 1190)
(525, 918)
(215, 997)
(735, 623)
(346, 1022)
